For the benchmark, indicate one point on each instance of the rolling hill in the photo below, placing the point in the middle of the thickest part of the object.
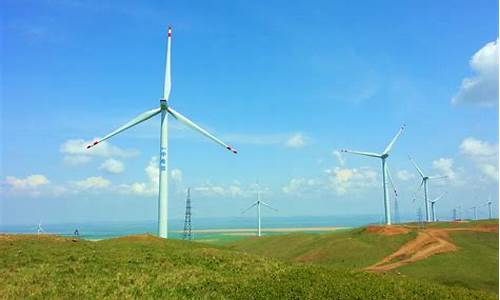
(47, 267)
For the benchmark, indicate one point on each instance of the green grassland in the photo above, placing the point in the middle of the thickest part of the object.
(474, 265)
(345, 249)
(147, 267)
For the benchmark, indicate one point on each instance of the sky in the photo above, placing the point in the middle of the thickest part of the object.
(286, 85)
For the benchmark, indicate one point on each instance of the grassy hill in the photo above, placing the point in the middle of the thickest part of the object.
(49, 267)
(473, 265)
(345, 249)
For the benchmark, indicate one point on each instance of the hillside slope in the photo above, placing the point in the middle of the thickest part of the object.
(48, 267)
(456, 254)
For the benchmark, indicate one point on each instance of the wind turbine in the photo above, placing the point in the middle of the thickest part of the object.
(433, 209)
(474, 209)
(40, 229)
(258, 203)
(489, 207)
(424, 181)
(385, 170)
(164, 110)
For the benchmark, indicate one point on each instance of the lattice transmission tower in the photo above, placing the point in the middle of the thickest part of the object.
(187, 219)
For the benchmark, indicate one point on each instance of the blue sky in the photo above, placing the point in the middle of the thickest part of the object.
(287, 85)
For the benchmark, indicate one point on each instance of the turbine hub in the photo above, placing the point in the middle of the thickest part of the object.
(163, 104)
(384, 156)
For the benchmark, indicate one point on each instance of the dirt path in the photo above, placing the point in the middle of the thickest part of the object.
(428, 242)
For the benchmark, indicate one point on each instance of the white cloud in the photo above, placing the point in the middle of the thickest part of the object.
(32, 185)
(404, 175)
(211, 190)
(297, 140)
(112, 166)
(95, 182)
(28, 182)
(445, 167)
(344, 180)
(483, 88)
(483, 154)
(477, 148)
(299, 186)
(76, 153)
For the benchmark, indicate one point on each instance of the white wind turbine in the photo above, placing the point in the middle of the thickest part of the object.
(163, 110)
(424, 183)
(433, 208)
(258, 203)
(489, 207)
(385, 171)
(40, 229)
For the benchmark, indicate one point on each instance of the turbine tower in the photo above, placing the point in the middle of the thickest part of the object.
(258, 203)
(164, 109)
(433, 208)
(385, 171)
(187, 219)
(424, 183)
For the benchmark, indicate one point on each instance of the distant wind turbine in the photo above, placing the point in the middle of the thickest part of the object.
(433, 208)
(424, 183)
(40, 229)
(490, 215)
(474, 209)
(258, 203)
(385, 170)
(164, 110)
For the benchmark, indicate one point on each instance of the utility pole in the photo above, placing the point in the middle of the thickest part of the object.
(187, 219)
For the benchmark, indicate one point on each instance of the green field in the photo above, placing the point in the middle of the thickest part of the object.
(146, 267)
(351, 249)
(474, 265)
(232, 266)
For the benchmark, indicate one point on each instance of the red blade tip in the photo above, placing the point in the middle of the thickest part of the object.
(231, 149)
(93, 144)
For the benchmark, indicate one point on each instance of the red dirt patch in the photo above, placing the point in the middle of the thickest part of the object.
(428, 242)
(387, 229)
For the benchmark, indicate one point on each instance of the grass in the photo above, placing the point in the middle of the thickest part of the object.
(474, 265)
(147, 267)
(353, 249)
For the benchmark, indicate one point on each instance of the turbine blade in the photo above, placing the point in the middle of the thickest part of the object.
(246, 209)
(269, 206)
(371, 154)
(438, 177)
(191, 124)
(437, 199)
(391, 181)
(389, 147)
(417, 190)
(168, 85)
(416, 167)
(140, 118)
